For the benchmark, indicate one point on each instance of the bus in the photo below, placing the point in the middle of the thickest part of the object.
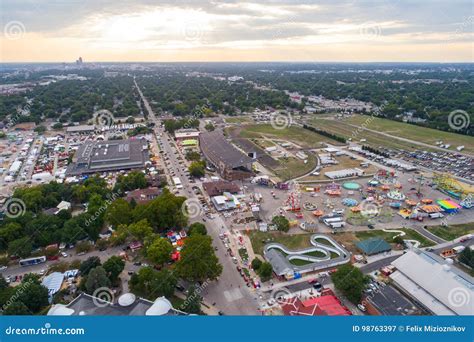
(32, 261)
(177, 183)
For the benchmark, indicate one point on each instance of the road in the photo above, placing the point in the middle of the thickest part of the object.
(230, 293)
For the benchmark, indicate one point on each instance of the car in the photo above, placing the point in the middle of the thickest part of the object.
(145, 265)
(234, 260)
(64, 254)
(362, 307)
(3, 268)
(180, 288)
(137, 263)
(220, 313)
(313, 281)
(239, 269)
(81, 253)
(130, 273)
(42, 272)
(317, 286)
(371, 226)
(215, 248)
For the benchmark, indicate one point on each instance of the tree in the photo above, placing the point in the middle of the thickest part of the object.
(16, 308)
(96, 278)
(192, 304)
(197, 228)
(159, 252)
(210, 127)
(193, 156)
(198, 261)
(118, 212)
(197, 169)
(140, 230)
(89, 264)
(149, 283)
(32, 293)
(467, 257)
(21, 247)
(114, 266)
(163, 283)
(265, 271)
(350, 281)
(282, 223)
(256, 263)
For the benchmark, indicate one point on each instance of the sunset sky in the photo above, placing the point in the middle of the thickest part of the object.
(107, 30)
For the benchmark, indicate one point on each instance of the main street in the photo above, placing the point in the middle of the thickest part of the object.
(229, 292)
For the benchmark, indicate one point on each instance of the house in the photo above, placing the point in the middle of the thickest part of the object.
(217, 188)
(325, 305)
(143, 196)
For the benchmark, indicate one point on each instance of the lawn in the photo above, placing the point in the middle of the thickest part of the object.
(294, 242)
(388, 236)
(298, 135)
(452, 232)
(413, 132)
(345, 162)
(292, 167)
(238, 119)
(345, 130)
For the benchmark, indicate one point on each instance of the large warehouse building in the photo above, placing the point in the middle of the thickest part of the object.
(435, 283)
(229, 161)
(112, 155)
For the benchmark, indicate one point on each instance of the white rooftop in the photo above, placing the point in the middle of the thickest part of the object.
(435, 283)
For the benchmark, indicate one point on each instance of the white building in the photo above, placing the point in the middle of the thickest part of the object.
(435, 283)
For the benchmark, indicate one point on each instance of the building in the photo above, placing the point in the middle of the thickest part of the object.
(373, 246)
(81, 129)
(225, 202)
(218, 188)
(112, 155)
(231, 163)
(344, 173)
(186, 134)
(434, 283)
(127, 305)
(325, 305)
(143, 196)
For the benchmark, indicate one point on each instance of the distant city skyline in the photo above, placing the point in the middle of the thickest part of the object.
(284, 30)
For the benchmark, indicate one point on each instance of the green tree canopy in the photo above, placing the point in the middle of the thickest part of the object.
(350, 281)
(198, 261)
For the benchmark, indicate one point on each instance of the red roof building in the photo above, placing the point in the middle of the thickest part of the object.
(326, 305)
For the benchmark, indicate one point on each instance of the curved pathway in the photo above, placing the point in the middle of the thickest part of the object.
(315, 262)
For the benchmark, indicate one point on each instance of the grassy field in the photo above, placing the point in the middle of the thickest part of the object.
(299, 136)
(408, 131)
(345, 130)
(238, 119)
(388, 236)
(345, 162)
(452, 232)
(260, 239)
(293, 167)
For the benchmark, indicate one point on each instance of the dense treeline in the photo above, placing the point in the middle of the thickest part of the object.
(325, 133)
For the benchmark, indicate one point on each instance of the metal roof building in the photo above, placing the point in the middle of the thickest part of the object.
(373, 246)
(231, 163)
(112, 155)
(435, 283)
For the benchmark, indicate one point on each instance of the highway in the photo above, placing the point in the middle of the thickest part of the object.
(229, 292)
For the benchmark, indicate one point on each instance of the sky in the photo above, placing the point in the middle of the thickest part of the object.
(278, 30)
